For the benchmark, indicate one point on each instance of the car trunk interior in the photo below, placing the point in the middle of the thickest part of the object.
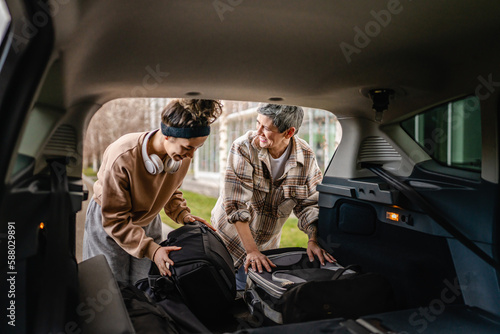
(328, 55)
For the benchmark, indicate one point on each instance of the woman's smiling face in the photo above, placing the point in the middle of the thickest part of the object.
(271, 138)
(269, 135)
(181, 148)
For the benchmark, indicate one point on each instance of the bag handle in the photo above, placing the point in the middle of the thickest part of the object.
(290, 277)
(285, 278)
(341, 271)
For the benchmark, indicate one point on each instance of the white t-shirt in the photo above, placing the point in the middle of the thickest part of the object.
(278, 165)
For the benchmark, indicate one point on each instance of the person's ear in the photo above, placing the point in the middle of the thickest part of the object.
(290, 132)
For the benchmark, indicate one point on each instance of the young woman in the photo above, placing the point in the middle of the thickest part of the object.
(140, 175)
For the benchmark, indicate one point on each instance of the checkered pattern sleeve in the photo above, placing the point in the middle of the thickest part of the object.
(238, 185)
(307, 209)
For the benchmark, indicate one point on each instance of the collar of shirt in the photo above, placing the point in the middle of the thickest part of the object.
(297, 156)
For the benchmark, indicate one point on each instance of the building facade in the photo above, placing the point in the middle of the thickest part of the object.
(319, 128)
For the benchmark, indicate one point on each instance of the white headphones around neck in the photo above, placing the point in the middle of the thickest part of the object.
(154, 165)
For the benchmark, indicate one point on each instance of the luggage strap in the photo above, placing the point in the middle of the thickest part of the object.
(354, 268)
(419, 200)
(257, 302)
(161, 286)
(286, 278)
(289, 277)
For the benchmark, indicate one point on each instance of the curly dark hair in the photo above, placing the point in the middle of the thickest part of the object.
(188, 113)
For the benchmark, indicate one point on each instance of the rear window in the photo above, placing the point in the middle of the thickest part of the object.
(450, 133)
(4, 19)
(4, 28)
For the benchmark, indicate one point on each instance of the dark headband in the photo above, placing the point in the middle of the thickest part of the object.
(197, 131)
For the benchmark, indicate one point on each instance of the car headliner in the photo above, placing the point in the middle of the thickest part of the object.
(427, 51)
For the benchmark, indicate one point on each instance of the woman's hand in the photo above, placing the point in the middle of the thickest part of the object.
(189, 218)
(163, 262)
(256, 260)
(313, 249)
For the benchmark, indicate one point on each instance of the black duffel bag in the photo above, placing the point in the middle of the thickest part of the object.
(348, 296)
(203, 271)
(298, 290)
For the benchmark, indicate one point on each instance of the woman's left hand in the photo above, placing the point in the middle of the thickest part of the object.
(189, 218)
(313, 249)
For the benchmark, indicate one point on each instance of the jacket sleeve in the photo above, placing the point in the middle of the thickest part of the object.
(116, 217)
(307, 209)
(176, 208)
(238, 184)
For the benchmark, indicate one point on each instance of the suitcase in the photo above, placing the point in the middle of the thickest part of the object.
(203, 271)
(298, 290)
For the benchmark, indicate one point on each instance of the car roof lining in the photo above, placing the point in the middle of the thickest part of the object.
(287, 49)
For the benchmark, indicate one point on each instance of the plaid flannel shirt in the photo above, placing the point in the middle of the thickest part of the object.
(251, 195)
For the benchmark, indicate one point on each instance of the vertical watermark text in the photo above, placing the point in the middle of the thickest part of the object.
(11, 273)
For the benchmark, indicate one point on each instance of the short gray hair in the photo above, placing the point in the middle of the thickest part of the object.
(283, 117)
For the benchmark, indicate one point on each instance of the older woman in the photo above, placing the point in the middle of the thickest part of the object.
(270, 172)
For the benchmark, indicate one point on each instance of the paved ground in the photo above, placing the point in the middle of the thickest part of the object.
(205, 187)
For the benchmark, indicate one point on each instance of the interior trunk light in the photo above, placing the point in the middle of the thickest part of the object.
(392, 216)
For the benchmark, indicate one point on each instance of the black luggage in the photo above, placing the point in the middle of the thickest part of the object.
(299, 290)
(145, 315)
(184, 320)
(203, 271)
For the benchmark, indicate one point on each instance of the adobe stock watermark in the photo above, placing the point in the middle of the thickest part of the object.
(11, 273)
(221, 6)
(150, 81)
(39, 20)
(425, 315)
(372, 29)
(88, 309)
(486, 87)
